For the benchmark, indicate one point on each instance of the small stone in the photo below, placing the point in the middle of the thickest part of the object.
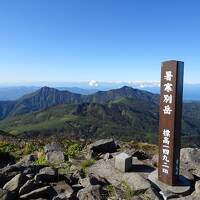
(123, 162)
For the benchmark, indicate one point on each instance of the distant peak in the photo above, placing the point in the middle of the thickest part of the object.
(45, 88)
(126, 88)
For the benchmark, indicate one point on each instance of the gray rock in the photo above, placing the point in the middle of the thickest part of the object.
(64, 189)
(197, 187)
(7, 195)
(15, 183)
(190, 160)
(23, 166)
(93, 179)
(91, 193)
(46, 174)
(54, 153)
(190, 155)
(115, 177)
(90, 154)
(29, 186)
(102, 147)
(52, 147)
(123, 162)
(8, 172)
(184, 171)
(55, 157)
(85, 182)
(182, 188)
(44, 192)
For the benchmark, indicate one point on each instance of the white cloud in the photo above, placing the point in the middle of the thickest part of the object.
(93, 83)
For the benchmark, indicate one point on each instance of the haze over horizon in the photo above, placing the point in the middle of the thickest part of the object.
(105, 41)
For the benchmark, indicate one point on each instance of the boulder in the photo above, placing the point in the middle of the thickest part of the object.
(91, 193)
(46, 174)
(44, 192)
(190, 155)
(7, 195)
(52, 147)
(8, 172)
(55, 157)
(15, 183)
(115, 177)
(190, 160)
(102, 147)
(54, 153)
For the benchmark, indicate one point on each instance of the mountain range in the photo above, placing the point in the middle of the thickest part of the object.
(9, 92)
(123, 112)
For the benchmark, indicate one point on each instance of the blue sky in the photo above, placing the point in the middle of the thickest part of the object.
(104, 40)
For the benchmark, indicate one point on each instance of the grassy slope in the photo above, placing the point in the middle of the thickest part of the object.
(121, 117)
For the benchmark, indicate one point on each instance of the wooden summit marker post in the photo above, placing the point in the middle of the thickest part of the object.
(171, 93)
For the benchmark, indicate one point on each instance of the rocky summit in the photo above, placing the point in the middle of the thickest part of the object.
(89, 171)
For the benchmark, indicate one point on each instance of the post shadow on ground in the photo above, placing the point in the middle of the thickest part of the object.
(142, 168)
